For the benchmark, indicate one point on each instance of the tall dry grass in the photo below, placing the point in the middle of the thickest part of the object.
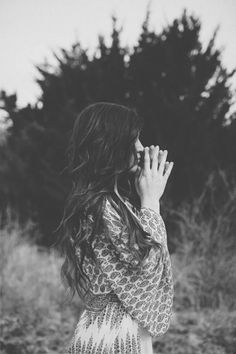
(35, 319)
(204, 262)
(204, 267)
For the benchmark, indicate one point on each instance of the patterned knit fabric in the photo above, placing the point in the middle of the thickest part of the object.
(125, 301)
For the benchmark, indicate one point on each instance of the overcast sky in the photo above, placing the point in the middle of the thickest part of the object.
(31, 29)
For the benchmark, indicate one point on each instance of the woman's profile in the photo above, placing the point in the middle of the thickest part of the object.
(114, 239)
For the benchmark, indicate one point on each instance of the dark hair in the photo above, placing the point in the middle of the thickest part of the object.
(99, 151)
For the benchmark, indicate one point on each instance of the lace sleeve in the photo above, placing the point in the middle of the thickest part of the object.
(146, 293)
(152, 222)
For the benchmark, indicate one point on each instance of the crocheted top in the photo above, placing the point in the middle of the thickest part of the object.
(146, 293)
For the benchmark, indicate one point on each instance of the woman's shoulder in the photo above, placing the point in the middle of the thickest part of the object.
(112, 215)
(110, 203)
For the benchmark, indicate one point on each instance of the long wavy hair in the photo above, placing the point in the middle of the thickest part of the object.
(99, 152)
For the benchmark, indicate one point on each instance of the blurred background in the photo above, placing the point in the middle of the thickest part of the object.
(174, 61)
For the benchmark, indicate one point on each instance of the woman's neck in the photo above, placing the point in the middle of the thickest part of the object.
(123, 199)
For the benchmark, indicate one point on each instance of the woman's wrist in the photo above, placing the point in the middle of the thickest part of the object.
(152, 204)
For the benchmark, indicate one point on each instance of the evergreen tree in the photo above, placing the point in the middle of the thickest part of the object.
(181, 90)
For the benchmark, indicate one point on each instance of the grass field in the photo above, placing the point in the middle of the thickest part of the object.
(36, 319)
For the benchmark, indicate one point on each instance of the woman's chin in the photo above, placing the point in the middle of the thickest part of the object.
(134, 168)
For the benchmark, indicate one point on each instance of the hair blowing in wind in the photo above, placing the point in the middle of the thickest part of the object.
(99, 152)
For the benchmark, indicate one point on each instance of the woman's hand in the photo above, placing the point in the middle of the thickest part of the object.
(150, 181)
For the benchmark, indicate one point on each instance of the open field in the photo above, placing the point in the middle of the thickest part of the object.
(36, 319)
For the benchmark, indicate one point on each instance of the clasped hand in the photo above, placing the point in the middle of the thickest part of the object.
(151, 179)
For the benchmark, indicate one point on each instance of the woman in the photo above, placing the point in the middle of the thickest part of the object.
(114, 238)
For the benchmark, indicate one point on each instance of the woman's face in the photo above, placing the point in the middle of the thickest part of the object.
(138, 147)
